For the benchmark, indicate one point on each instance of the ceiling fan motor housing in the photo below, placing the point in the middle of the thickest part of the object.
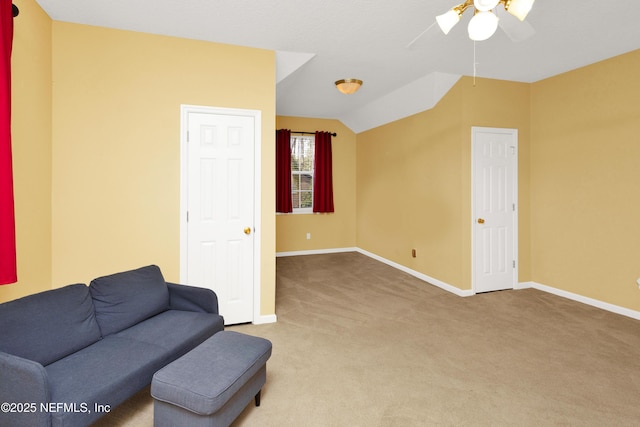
(485, 5)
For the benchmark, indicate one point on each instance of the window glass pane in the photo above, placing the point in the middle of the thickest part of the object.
(306, 182)
(307, 157)
(306, 199)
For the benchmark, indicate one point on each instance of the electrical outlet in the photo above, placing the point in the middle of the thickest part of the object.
(413, 253)
(308, 236)
(638, 281)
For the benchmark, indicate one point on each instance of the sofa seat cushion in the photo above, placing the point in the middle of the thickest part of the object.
(50, 325)
(105, 373)
(124, 299)
(175, 331)
(114, 368)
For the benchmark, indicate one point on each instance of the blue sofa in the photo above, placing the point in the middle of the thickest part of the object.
(70, 355)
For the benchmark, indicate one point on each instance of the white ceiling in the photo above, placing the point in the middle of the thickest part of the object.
(320, 41)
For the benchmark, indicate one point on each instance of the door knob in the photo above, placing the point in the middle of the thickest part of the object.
(247, 230)
(480, 221)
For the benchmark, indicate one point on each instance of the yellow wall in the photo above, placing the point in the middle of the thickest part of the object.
(97, 159)
(328, 231)
(96, 118)
(414, 180)
(31, 132)
(578, 181)
(116, 145)
(585, 181)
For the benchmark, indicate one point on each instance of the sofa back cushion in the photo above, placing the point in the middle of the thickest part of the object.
(50, 325)
(123, 299)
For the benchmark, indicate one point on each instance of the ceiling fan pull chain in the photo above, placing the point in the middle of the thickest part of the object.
(475, 63)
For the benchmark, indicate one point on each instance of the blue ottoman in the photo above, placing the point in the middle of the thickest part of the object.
(213, 383)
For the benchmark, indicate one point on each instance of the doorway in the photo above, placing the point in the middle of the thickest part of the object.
(494, 209)
(220, 207)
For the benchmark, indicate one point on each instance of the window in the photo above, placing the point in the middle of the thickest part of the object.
(302, 167)
(304, 177)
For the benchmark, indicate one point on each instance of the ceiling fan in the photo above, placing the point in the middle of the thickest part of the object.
(486, 19)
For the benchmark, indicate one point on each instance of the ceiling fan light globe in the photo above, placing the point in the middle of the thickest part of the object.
(448, 20)
(519, 8)
(485, 5)
(482, 26)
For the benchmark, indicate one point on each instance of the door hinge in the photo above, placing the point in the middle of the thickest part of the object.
(187, 216)
(514, 263)
(514, 207)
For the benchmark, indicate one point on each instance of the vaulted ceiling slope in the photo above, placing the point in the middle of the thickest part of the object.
(321, 41)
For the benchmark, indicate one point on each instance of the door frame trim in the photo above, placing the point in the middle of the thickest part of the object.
(185, 110)
(514, 133)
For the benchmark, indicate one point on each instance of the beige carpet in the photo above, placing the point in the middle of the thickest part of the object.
(358, 343)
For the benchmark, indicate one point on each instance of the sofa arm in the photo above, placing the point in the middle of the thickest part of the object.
(192, 298)
(24, 392)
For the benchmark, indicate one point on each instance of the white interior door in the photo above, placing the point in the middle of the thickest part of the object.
(495, 190)
(220, 221)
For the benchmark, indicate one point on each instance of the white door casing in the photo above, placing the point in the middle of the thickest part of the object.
(494, 209)
(220, 207)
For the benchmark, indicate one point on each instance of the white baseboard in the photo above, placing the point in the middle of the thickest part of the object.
(316, 252)
(263, 320)
(525, 285)
(431, 280)
(417, 274)
(465, 293)
(586, 300)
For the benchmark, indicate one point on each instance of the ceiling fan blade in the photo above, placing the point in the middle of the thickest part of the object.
(427, 34)
(515, 29)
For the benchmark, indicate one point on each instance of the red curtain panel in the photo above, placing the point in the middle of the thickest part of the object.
(283, 171)
(323, 174)
(8, 270)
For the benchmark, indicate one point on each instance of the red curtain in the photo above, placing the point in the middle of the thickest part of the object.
(323, 174)
(283, 171)
(8, 270)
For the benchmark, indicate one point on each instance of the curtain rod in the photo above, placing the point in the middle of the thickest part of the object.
(310, 133)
